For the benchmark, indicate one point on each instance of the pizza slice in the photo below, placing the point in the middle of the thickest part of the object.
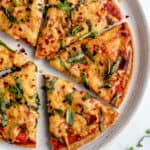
(19, 106)
(73, 20)
(21, 19)
(103, 64)
(10, 58)
(75, 117)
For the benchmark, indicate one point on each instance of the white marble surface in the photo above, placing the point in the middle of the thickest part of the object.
(141, 120)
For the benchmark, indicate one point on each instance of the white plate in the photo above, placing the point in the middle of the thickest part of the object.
(140, 32)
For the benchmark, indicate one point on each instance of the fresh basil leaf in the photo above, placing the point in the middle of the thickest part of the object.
(76, 29)
(106, 86)
(63, 6)
(101, 127)
(87, 96)
(91, 34)
(89, 24)
(76, 59)
(68, 99)
(11, 18)
(70, 116)
(61, 44)
(113, 68)
(84, 81)
(62, 63)
(87, 53)
(147, 131)
(51, 86)
(139, 144)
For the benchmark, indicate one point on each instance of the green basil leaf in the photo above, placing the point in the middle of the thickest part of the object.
(51, 86)
(89, 24)
(87, 96)
(75, 59)
(64, 6)
(76, 29)
(87, 53)
(68, 99)
(84, 81)
(15, 3)
(106, 86)
(70, 116)
(11, 18)
(91, 34)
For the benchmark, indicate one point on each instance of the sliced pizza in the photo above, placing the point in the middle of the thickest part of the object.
(103, 64)
(73, 20)
(10, 58)
(19, 106)
(75, 117)
(21, 19)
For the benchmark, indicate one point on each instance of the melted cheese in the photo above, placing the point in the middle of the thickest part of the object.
(10, 59)
(83, 109)
(28, 16)
(18, 112)
(58, 22)
(104, 50)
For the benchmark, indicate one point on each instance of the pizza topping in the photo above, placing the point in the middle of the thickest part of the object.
(92, 34)
(76, 59)
(101, 127)
(113, 68)
(89, 24)
(84, 80)
(70, 116)
(116, 96)
(11, 18)
(51, 86)
(63, 6)
(73, 32)
(3, 109)
(87, 96)
(87, 53)
(68, 99)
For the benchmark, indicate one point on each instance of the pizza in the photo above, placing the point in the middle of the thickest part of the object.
(19, 104)
(74, 20)
(21, 19)
(11, 59)
(75, 117)
(103, 64)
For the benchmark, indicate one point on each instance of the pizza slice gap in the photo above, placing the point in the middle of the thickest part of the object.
(11, 59)
(103, 65)
(19, 104)
(72, 20)
(21, 19)
(75, 117)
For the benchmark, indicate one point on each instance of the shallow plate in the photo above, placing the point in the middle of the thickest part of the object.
(140, 34)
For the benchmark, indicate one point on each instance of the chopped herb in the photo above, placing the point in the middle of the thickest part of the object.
(113, 68)
(139, 144)
(63, 6)
(51, 86)
(91, 34)
(61, 44)
(56, 111)
(87, 53)
(101, 127)
(75, 59)
(17, 89)
(75, 30)
(68, 99)
(3, 109)
(84, 81)
(131, 148)
(87, 96)
(106, 86)
(41, 8)
(62, 63)
(11, 18)
(147, 131)
(36, 97)
(89, 24)
(3, 44)
(70, 116)
(115, 98)
(15, 3)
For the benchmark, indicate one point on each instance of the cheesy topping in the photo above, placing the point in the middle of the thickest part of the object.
(105, 66)
(19, 104)
(21, 19)
(67, 22)
(76, 114)
(10, 58)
